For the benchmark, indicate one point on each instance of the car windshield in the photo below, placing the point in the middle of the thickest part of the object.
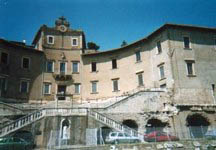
(127, 135)
(120, 135)
(113, 134)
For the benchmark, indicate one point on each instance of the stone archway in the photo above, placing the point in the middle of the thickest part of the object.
(155, 125)
(131, 124)
(198, 125)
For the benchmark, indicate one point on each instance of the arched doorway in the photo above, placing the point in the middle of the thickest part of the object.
(131, 124)
(155, 125)
(198, 125)
(65, 131)
(102, 133)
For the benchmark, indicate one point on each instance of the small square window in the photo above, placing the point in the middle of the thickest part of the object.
(114, 64)
(138, 56)
(94, 66)
(50, 39)
(4, 58)
(159, 48)
(94, 87)
(74, 41)
(186, 42)
(115, 85)
(75, 67)
(50, 66)
(26, 63)
(77, 88)
(47, 88)
(24, 86)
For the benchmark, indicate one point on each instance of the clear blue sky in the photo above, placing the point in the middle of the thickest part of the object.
(105, 22)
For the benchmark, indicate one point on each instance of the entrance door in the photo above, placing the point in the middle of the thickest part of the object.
(61, 92)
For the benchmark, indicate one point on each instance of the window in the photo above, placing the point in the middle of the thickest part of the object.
(94, 66)
(26, 63)
(75, 67)
(115, 85)
(161, 71)
(3, 84)
(138, 56)
(114, 64)
(63, 67)
(140, 79)
(24, 86)
(50, 66)
(47, 88)
(74, 41)
(163, 86)
(4, 58)
(190, 67)
(77, 88)
(186, 42)
(50, 39)
(94, 86)
(159, 49)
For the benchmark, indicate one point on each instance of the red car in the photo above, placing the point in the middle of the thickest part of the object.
(158, 136)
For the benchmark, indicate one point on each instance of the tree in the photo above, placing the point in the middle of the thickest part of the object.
(92, 45)
(124, 43)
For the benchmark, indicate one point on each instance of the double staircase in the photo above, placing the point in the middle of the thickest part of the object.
(39, 114)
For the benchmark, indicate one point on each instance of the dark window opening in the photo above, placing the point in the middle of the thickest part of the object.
(50, 40)
(140, 79)
(74, 41)
(26, 63)
(190, 68)
(115, 85)
(4, 58)
(114, 64)
(159, 47)
(138, 56)
(186, 42)
(94, 66)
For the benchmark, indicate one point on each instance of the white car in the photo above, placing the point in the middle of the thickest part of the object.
(118, 137)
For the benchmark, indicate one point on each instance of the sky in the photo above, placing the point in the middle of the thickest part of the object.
(105, 22)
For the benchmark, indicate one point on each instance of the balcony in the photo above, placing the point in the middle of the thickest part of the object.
(62, 77)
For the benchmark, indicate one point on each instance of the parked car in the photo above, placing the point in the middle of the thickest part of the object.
(210, 134)
(118, 137)
(159, 136)
(13, 143)
(26, 135)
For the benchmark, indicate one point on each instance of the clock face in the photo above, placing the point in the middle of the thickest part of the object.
(62, 28)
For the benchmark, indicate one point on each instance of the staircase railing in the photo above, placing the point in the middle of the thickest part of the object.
(32, 117)
(112, 123)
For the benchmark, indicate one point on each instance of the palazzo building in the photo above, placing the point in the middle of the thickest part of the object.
(167, 79)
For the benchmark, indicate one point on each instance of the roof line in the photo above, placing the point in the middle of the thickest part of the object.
(150, 35)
